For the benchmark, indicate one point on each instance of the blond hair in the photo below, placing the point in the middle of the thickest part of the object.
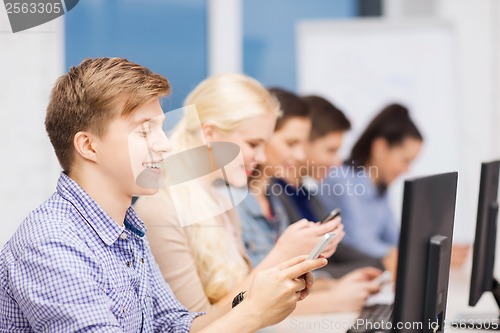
(226, 101)
(88, 96)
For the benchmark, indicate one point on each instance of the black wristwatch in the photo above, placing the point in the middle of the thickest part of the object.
(237, 300)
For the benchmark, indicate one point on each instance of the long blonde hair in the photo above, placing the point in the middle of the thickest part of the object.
(226, 101)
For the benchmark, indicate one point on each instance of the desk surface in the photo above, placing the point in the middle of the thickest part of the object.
(458, 298)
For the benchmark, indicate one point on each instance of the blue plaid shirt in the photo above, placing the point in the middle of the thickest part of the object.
(70, 267)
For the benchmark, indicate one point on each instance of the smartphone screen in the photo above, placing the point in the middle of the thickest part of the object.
(330, 216)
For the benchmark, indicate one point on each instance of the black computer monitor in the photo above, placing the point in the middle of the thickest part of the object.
(424, 253)
(482, 279)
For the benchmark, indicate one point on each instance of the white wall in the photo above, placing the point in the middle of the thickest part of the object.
(362, 65)
(495, 23)
(476, 26)
(225, 36)
(30, 62)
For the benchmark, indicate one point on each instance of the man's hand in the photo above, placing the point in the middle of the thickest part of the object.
(274, 292)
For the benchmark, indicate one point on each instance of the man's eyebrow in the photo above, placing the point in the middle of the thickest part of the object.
(156, 119)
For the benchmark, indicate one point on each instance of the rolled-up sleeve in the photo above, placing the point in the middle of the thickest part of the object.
(169, 314)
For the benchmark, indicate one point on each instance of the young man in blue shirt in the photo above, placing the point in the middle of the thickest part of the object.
(81, 262)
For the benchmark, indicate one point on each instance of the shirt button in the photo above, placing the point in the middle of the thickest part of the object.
(123, 235)
(142, 260)
(128, 263)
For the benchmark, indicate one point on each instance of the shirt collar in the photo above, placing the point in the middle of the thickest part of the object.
(293, 191)
(134, 223)
(252, 207)
(105, 227)
(361, 174)
(310, 184)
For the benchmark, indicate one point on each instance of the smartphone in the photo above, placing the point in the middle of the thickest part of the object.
(383, 278)
(330, 216)
(320, 247)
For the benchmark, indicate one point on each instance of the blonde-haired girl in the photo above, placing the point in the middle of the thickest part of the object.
(205, 262)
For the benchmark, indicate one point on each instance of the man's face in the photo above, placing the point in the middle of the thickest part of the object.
(322, 154)
(132, 150)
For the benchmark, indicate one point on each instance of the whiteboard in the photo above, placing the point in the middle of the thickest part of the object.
(362, 65)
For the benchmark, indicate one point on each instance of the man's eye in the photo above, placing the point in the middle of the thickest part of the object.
(143, 133)
(144, 130)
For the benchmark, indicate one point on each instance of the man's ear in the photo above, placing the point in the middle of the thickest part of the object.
(210, 132)
(84, 146)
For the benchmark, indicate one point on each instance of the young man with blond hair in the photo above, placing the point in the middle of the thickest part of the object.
(81, 261)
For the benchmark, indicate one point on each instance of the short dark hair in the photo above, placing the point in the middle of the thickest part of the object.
(291, 106)
(325, 117)
(393, 124)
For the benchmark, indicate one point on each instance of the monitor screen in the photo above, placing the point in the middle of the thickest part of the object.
(484, 243)
(424, 252)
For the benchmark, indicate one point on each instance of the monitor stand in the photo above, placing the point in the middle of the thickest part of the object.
(486, 321)
(482, 321)
(437, 283)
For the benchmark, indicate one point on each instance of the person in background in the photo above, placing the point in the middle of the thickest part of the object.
(81, 261)
(264, 214)
(328, 127)
(205, 263)
(383, 152)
